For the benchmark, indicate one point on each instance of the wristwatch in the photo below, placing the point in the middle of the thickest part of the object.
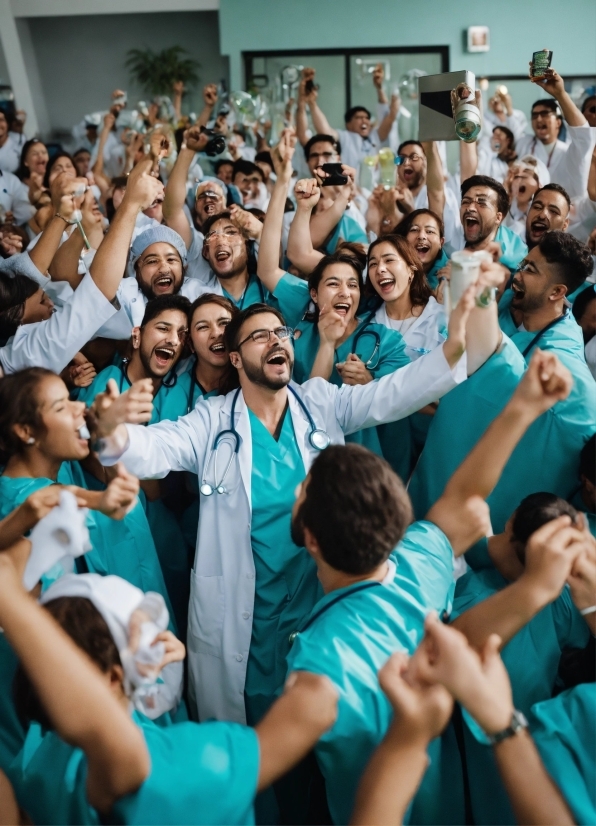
(518, 722)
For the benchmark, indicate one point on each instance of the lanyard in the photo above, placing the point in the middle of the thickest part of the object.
(363, 587)
(248, 283)
(551, 153)
(540, 333)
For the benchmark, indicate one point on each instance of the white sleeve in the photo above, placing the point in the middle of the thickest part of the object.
(573, 169)
(153, 451)
(53, 343)
(454, 233)
(517, 122)
(198, 267)
(21, 206)
(398, 394)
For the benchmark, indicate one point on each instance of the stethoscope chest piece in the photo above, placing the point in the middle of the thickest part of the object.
(319, 439)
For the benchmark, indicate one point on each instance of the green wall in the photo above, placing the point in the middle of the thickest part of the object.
(518, 27)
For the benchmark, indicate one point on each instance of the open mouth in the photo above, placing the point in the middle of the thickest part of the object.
(164, 282)
(210, 207)
(408, 173)
(538, 227)
(222, 255)
(386, 284)
(518, 290)
(342, 307)
(422, 247)
(471, 224)
(278, 357)
(218, 348)
(522, 189)
(163, 355)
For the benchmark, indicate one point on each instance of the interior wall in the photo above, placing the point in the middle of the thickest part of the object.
(516, 28)
(81, 59)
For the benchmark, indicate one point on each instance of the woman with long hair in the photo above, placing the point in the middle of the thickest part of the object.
(424, 230)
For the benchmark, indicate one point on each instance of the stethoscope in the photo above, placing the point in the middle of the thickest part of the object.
(363, 587)
(261, 292)
(193, 383)
(540, 333)
(169, 381)
(364, 330)
(319, 440)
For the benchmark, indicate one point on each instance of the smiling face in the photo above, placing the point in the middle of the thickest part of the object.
(499, 141)
(207, 327)
(425, 236)
(58, 438)
(523, 186)
(549, 210)
(321, 152)
(339, 288)
(37, 158)
(479, 215)
(267, 363)
(159, 343)
(248, 185)
(209, 200)
(388, 272)
(412, 170)
(545, 123)
(225, 249)
(38, 307)
(535, 284)
(224, 173)
(359, 123)
(159, 270)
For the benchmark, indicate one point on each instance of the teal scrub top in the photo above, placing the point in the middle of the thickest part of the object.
(564, 730)
(347, 229)
(352, 633)
(286, 584)
(532, 660)
(513, 249)
(12, 733)
(172, 549)
(465, 413)
(255, 293)
(432, 275)
(200, 774)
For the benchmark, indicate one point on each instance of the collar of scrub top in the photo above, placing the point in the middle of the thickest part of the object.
(170, 380)
(544, 330)
(60, 537)
(318, 438)
(364, 586)
(117, 600)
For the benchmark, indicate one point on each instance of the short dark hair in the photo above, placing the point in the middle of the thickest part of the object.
(403, 145)
(554, 188)
(222, 162)
(163, 303)
(589, 99)
(80, 151)
(246, 168)
(548, 103)
(354, 111)
(572, 258)
(89, 631)
(582, 301)
(486, 180)
(14, 291)
(226, 215)
(356, 507)
(321, 139)
(507, 132)
(19, 405)
(232, 332)
(264, 157)
(405, 224)
(587, 460)
(535, 511)
(212, 298)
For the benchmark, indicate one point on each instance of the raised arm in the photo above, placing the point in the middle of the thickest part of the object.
(435, 181)
(384, 128)
(545, 382)
(303, 98)
(300, 247)
(324, 221)
(320, 122)
(175, 193)
(268, 268)
(210, 99)
(481, 684)
(77, 699)
(553, 84)
(108, 124)
(294, 724)
(109, 263)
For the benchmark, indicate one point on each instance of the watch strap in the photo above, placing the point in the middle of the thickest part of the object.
(518, 722)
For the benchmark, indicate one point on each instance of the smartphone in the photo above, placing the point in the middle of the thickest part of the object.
(541, 62)
(334, 171)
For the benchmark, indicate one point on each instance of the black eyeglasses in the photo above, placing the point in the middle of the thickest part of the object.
(264, 336)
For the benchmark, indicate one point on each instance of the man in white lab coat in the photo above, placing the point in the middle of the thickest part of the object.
(224, 625)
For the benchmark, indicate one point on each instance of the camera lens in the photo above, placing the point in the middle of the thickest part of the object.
(467, 123)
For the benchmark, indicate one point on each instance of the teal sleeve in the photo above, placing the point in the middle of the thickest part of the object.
(425, 562)
(98, 385)
(292, 297)
(564, 730)
(474, 587)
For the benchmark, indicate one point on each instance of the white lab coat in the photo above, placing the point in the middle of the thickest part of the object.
(223, 578)
(54, 342)
(14, 197)
(569, 163)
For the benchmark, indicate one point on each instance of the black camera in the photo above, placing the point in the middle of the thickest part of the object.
(216, 144)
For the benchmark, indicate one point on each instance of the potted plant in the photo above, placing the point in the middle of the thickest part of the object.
(157, 72)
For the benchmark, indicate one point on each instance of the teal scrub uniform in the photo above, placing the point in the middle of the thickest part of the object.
(432, 275)
(12, 733)
(254, 293)
(349, 636)
(286, 584)
(293, 298)
(200, 774)
(532, 660)
(564, 730)
(513, 249)
(174, 554)
(347, 229)
(547, 457)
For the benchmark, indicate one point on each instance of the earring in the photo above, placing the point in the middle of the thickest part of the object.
(30, 441)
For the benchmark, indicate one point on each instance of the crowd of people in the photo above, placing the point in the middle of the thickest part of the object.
(296, 525)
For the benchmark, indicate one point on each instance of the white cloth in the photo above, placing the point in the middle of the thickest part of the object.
(582, 219)
(568, 163)
(117, 600)
(10, 154)
(354, 147)
(60, 537)
(422, 333)
(54, 342)
(516, 122)
(223, 583)
(14, 197)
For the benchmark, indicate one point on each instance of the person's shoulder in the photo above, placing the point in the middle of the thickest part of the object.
(129, 289)
(10, 182)
(423, 536)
